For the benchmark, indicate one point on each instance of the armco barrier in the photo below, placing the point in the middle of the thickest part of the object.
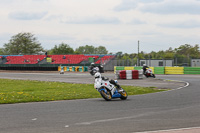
(81, 69)
(174, 70)
(59, 68)
(191, 70)
(159, 70)
(137, 68)
(128, 68)
(85, 69)
(116, 68)
(77, 69)
(73, 68)
(70, 69)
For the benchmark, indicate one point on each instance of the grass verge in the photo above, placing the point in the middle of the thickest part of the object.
(21, 91)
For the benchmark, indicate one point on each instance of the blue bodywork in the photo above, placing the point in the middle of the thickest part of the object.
(115, 95)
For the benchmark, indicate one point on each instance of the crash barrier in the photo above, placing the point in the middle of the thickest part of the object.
(129, 68)
(129, 74)
(174, 70)
(73, 68)
(78, 68)
(192, 70)
(164, 70)
(159, 70)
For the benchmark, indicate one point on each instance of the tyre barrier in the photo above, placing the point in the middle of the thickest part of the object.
(129, 74)
(73, 68)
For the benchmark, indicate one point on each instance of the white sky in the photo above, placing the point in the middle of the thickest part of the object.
(115, 24)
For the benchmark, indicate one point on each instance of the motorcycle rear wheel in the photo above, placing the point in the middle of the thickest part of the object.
(106, 95)
(124, 95)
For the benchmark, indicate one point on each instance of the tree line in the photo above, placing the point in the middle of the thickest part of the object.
(183, 51)
(26, 43)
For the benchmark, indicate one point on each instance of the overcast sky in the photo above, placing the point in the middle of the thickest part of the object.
(115, 24)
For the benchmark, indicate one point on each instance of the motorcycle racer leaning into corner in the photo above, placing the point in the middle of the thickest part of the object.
(118, 87)
(144, 68)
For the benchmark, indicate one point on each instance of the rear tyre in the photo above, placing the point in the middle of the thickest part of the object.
(124, 95)
(154, 76)
(106, 94)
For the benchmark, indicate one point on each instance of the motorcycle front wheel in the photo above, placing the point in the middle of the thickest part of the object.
(105, 94)
(124, 95)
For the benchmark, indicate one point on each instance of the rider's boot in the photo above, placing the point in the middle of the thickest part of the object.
(119, 89)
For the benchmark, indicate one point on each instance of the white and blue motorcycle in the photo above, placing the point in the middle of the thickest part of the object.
(107, 88)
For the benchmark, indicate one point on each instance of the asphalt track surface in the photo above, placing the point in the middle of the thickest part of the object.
(178, 109)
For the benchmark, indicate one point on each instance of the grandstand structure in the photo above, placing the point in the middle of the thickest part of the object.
(50, 62)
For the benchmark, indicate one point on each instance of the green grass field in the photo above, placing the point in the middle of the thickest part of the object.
(21, 91)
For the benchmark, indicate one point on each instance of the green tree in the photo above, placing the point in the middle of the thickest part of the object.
(160, 54)
(127, 60)
(183, 49)
(119, 54)
(86, 49)
(188, 51)
(23, 43)
(62, 49)
(101, 50)
(194, 52)
(169, 54)
(153, 54)
(2, 51)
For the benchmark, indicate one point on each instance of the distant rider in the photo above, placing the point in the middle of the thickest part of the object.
(144, 68)
(93, 69)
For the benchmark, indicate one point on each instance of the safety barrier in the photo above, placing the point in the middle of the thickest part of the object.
(159, 70)
(137, 68)
(117, 68)
(164, 70)
(128, 68)
(129, 74)
(174, 70)
(73, 68)
(192, 70)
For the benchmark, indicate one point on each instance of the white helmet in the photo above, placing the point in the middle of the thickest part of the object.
(144, 65)
(97, 75)
(92, 64)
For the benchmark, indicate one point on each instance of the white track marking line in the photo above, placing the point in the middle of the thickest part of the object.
(34, 119)
(108, 120)
(180, 129)
(66, 126)
(187, 84)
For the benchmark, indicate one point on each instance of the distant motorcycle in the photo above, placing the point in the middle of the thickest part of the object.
(149, 73)
(107, 90)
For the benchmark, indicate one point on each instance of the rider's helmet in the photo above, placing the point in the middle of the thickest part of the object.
(144, 65)
(97, 75)
(92, 64)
